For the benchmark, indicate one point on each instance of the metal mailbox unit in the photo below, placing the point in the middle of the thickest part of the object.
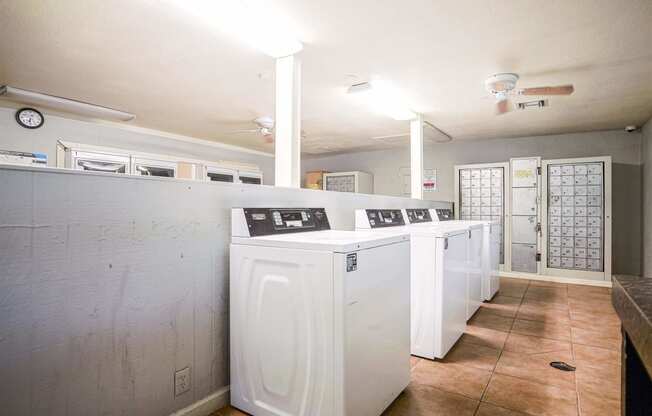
(481, 193)
(577, 219)
(525, 224)
(557, 215)
(359, 182)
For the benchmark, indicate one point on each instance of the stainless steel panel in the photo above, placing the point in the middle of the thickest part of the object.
(524, 201)
(524, 229)
(524, 258)
(524, 173)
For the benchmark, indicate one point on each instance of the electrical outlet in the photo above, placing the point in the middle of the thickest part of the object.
(181, 381)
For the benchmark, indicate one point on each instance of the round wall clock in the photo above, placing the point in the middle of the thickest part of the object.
(29, 118)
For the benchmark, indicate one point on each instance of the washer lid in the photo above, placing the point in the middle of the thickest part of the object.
(438, 230)
(328, 240)
(428, 230)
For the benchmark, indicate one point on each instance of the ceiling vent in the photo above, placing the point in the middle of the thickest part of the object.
(527, 105)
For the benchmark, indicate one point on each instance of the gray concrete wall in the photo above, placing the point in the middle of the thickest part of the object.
(646, 159)
(624, 148)
(44, 139)
(109, 283)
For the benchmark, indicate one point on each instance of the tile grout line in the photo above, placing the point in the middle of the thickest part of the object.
(493, 370)
(572, 344)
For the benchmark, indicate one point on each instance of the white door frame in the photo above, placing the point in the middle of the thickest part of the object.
(507, 186)
(578, 274)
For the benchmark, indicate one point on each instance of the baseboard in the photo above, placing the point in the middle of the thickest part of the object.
(557, 279)
(207, 405)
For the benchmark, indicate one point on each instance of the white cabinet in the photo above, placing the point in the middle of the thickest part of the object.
(355, 181)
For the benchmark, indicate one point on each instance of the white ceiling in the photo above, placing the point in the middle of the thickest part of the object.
(180, 75)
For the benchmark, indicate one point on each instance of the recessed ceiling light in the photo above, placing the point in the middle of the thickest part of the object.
(260, 29)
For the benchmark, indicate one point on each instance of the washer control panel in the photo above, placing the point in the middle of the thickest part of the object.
(444, 214)
(418, 215)
(266, 221)
(379, 218)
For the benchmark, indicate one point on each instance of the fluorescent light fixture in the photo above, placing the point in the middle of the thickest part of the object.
(261, 29)
(63, 104)
(383, 98)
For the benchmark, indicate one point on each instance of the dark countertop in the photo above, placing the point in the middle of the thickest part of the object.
(632, 299)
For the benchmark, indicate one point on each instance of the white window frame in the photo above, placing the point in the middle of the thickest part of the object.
(250, 174)
(75, 155)
(219, 170)
(507, 186)
(605, 275)
(155, 163)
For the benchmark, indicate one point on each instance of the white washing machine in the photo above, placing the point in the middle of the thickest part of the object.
(438, 279)
(491, 236)
(319, 319)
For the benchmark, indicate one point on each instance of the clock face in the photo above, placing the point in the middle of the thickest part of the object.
(29, 118)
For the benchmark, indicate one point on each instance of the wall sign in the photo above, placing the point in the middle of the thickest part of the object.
(429, 180)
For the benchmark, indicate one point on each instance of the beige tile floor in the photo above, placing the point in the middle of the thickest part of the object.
(500, 366)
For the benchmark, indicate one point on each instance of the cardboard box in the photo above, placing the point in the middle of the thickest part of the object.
(315, 179)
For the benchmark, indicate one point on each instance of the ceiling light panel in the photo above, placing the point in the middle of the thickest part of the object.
(263, 30)
(384, 98)
(63, 104)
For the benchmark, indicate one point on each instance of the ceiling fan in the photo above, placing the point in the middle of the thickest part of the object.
(264, 127)
(503, 86)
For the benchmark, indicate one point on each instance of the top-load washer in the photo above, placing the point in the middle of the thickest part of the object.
(438, 279)
(491, 237)
(319, 318)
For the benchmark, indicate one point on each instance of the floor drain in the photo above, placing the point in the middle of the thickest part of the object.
(560, 365)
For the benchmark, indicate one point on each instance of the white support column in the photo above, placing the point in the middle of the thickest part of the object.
(288, 122)
(416, 157)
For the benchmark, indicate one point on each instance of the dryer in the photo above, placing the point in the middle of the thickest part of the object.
(491, 242)
(319, 319)
(438, 279)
